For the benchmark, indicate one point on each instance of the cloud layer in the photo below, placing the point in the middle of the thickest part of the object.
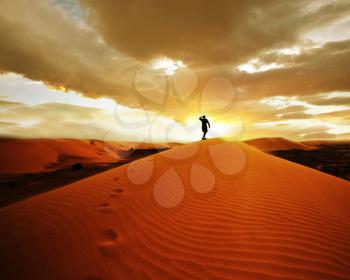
(317, 70)
(107, 48)
(42, 43)
(205, 32)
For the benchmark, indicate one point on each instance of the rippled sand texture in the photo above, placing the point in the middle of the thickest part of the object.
(208, 210)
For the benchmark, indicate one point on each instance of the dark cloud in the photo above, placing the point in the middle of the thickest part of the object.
(204, 32)
(42, 43)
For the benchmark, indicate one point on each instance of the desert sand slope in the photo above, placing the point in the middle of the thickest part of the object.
(37, 155)
(276, 144)
(209, 210)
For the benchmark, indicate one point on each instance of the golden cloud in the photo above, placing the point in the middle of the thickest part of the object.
(100, 55)
(42, 43)
(322, 69)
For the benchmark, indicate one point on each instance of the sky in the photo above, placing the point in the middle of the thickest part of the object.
(146, 70)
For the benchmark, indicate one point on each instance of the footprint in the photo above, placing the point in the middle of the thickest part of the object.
(116, 178)
(105, 207)
(109, 249)
(116, 192)
(110, 234)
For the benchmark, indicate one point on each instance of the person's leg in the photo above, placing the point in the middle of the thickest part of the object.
(204, 135)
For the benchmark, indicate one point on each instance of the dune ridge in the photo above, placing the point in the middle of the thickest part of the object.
(277, 144)
(270, 219)
(325, 142)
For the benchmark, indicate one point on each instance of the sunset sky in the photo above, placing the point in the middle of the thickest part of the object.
(145, 70)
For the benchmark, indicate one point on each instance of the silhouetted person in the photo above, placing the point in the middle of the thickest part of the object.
(205, 122)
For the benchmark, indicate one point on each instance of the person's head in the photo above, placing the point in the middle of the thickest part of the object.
(203, 116)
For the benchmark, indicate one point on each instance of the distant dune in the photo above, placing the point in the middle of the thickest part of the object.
(33, 166)
(208, 210)
(275, 144)
(36, 155)
(325, 142)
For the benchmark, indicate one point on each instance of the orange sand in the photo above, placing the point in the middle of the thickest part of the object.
(203, 211)
(37, 155)
(276, 144)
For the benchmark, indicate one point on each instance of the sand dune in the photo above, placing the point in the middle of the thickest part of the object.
(209, 210)
(37, 155)
(277, 144)
(325, 142)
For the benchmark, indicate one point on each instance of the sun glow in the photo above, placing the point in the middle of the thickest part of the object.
(290, 51)
(255, 65)
(168, 65)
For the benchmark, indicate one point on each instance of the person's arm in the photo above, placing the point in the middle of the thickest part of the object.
(208, 123)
